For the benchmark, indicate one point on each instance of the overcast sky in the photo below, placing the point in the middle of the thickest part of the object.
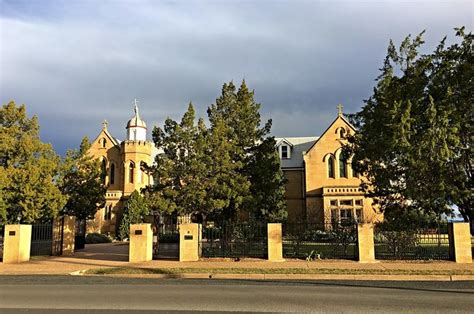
(75, 63)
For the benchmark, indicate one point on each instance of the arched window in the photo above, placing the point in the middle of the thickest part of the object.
(342, 166)
(331, 167)
(142, 172)
(104, 142)
(104, 170)
(108, 212)
(342, 133)
(131, 170)
(112, 173)
(354, 172)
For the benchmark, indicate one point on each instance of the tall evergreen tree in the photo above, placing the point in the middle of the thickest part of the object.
(267, 183)
(222, 170)
(179, 172)
(415, 131)
(239, 116)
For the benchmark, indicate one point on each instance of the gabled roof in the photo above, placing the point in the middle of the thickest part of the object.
(341, 116)
(112, 139)
(283, 140)
(298, 146)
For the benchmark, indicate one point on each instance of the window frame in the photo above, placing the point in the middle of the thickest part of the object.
(112, 173)
(331, 170)
(343, 167)
(131, 172)
(287, 151)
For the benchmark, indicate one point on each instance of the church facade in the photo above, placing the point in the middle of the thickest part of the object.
(122, 162)
(321, 185)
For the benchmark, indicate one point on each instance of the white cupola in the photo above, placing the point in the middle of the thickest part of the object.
(136, 127)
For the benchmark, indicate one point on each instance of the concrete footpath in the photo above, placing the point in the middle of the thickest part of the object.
(111, 255)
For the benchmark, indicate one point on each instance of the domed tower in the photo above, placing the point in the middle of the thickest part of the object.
(136, 127)
(136, 152)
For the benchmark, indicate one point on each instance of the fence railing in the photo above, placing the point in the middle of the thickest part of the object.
(234, 240)
(42, 239)
(168, 233)
(320, 241)
(412, 244)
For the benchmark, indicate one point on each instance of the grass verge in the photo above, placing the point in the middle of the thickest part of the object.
(322, 271)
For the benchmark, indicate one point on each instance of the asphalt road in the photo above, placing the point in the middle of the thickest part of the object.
(55, 294)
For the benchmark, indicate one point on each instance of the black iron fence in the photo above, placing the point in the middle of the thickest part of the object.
(166, 244)
(427, 243)
(80, 234)
(319, 240)
(168, 233)
(234, 240)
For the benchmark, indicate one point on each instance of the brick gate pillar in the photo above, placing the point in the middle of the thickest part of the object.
(141, 243)
(365, 243)
(16, 244)
(275, 243)
(460, 247)
(189, 237)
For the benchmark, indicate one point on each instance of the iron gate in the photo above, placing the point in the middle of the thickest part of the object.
(166, 245)
(234, 240)
(80, 234)
(42, 239)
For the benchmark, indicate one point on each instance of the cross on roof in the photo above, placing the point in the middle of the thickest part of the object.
(105, 124)
(339, 109)
(135, 103)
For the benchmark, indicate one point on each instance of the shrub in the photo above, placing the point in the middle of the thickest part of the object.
(92, 238)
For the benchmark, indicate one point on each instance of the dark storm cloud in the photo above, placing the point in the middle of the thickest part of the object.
(75, 63)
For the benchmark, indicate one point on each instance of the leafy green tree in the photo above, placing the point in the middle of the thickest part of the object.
(29, 169)
(415, 132)
(82, 181)
(136, 208)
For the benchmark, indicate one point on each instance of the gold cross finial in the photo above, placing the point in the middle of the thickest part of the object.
(339, 110)
(105, 124)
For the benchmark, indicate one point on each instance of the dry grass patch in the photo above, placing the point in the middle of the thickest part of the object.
(319, 271)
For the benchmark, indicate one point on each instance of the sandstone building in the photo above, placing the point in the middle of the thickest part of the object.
(322, 186)
(122, 163)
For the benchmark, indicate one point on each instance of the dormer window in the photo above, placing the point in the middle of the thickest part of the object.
(284, 148)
